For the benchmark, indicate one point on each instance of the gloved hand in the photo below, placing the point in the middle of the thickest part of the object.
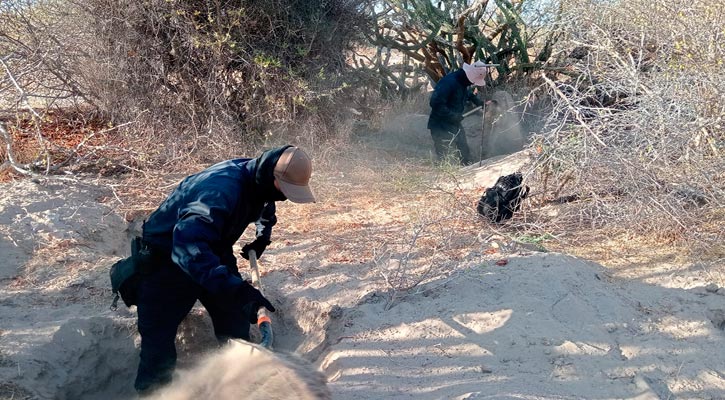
(250, 297)
(457, 118)
(258, 245)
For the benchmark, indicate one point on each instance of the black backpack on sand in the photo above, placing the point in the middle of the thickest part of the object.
(499, 202)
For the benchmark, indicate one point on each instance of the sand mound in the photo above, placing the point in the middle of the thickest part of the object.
(86, 358)
(542, 326)
(245, 371)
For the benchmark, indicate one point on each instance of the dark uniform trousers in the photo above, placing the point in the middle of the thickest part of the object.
(443, 142)
(165, 297)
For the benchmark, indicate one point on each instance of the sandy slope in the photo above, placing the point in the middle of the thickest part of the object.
(542, 326)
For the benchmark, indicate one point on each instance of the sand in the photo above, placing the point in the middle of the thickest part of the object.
(541, 326)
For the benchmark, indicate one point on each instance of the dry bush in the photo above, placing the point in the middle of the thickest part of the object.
(175, 80)
(635, 130)
(40, 56)
(214, 66)
(436, 234)
(405, 265)
(38, 72)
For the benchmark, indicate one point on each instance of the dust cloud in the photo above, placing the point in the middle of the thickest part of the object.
(244, 370)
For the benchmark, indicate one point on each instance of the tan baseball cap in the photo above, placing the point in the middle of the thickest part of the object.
(293, 171)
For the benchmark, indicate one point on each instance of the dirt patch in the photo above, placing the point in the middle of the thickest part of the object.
(555, 322)
(484, 320)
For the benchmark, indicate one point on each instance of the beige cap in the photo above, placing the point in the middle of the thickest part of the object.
(293, 171)
(476, 72)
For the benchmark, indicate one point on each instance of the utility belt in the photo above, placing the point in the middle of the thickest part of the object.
(126, 274)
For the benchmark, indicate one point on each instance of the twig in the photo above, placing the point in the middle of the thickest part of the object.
(9, 151)
(573, 109)
(36, 117)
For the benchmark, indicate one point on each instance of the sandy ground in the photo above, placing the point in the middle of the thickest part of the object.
(382, 307)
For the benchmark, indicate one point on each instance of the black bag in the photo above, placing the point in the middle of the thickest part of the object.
(126, 273)
(499, 202)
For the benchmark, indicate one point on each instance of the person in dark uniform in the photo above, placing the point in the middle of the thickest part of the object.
(447, 104)
(190, 237)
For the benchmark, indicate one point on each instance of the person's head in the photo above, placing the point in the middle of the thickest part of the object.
(476, 72)
(292, 174)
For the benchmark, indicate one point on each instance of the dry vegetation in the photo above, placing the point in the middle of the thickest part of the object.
(173, 80)
(149, 91)
(627, 112)
(635, 132)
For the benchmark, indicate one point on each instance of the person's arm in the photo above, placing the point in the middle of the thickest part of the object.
(227, 257)
(474, 99)
(199, 225)
(266, 221)
(439, 103)
(264, 231)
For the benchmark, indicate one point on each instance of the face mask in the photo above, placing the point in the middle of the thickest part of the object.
(278, 196)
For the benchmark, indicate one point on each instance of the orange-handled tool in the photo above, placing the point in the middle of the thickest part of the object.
(263, 321)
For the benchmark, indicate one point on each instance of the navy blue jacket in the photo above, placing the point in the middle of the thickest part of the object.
(200, 221)
(448, 101)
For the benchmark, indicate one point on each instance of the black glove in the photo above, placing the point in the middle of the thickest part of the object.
(258, 245)
(252, 299)
(457, 118)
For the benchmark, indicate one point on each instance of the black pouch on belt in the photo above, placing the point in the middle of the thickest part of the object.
(126, 274)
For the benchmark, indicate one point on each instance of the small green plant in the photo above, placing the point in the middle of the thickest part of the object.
(408, 182)
(534, 239)
(266, 61)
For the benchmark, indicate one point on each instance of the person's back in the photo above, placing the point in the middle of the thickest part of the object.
(448, 101)
(220, 185)
(447, 104)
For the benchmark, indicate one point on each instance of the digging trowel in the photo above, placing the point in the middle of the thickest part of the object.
(264, 323)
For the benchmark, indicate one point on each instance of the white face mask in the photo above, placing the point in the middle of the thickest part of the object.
(476, 72)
